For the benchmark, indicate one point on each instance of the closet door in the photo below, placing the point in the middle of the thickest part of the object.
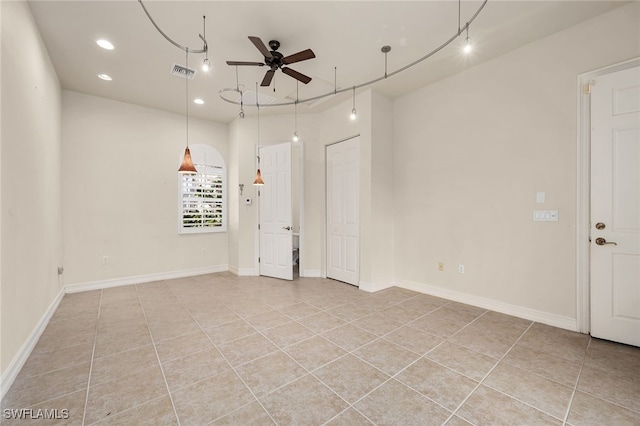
(343, 211)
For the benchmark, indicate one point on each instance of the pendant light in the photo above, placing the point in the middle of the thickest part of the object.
(258, 180)
(467, 43)
(187, 163)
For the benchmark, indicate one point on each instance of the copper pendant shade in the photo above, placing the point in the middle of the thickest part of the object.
(187, 163)
(258, 181)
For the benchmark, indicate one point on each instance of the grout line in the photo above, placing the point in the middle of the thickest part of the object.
(575, 387)
(155, 349)
(93, 351)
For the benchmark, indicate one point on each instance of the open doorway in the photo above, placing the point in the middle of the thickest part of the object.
(280, 218)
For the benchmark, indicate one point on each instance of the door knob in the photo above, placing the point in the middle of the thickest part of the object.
(600, 225)
(601, 242)
(288, 228)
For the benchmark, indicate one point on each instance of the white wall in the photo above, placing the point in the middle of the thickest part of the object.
(31, 233)
(120, 191)
(471, 151)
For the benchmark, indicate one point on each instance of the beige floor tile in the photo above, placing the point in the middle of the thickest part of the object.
(111, 340)
(211, 398)
(401, 314)
(40, 362)
(315, 352)
(395, 404)
(299, 310)
(180, 346)
(265, 374)
(493, 346)
(321, 322)
(386, 356)
(556, 342)
(589, 410)
(64, 333)
(250, 414)
(288, 334)
(488, 407)
(350, 312)
(457, 313)
(439, 383)
(465, 361)
(109, 398)
(268, 320)
(182, 372)
(174, 329)
(246, 310)
(122, 364)
(616, 359)
(157, 318)
(230, 331)
(621, 390)
(436, 326)
(349, 337)
(414, 339)
(349, 417)
(303, 402)
(246, 349)
(350, 377)
(215, 318)
(67, 410)
(457, 421)
(28, 391)
(377, 324)
(156, 412)
(539, 392)
(423, 302)
(557, 369)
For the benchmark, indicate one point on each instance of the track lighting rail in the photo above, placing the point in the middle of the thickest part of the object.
(457, 34)
(204, 49)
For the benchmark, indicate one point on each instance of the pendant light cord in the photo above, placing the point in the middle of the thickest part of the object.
(187, 92)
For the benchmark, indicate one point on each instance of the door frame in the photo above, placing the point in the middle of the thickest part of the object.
(583, 208)
(256, 238)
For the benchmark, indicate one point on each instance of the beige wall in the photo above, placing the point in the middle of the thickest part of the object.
(471, 151)
(120, 191)
(31, 234)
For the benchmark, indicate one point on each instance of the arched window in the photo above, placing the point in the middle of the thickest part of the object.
(202, 205)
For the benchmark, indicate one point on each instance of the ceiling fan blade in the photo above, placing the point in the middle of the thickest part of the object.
(297, 57)
(266, 81)
(257, 42)
(260, 64)
(295, 74)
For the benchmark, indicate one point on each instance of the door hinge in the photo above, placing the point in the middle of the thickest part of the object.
(586, 89)
(258, 260)
(258, 226)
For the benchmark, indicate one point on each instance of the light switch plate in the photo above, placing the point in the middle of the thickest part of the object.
(545, 215)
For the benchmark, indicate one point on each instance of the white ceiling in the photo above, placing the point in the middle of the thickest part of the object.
(343, 34)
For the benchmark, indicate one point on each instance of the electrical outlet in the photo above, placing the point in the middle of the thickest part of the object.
(105, 260)
(440, 266)
(461, 269)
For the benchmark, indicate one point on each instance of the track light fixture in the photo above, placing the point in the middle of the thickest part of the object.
(467, 43)
(354, 113)
(296, 138)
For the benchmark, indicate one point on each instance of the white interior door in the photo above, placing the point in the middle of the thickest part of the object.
(343, 211)
(276, 235)
(615, 207)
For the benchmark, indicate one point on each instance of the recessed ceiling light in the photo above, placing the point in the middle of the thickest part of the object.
(105, 77)
(198, 101)
(105, 44)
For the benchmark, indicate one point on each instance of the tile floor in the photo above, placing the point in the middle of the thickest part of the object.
(220, 349)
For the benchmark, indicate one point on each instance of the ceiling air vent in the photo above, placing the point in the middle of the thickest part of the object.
(184, 72)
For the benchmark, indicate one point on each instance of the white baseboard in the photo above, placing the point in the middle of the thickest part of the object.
(371, 287)
(139, 279)
(21, 357)
(554, 320)
(312, 273)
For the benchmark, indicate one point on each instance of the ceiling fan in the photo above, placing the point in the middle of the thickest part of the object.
(274, 60)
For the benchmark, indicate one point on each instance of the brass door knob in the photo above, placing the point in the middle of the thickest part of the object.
(601, 242)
